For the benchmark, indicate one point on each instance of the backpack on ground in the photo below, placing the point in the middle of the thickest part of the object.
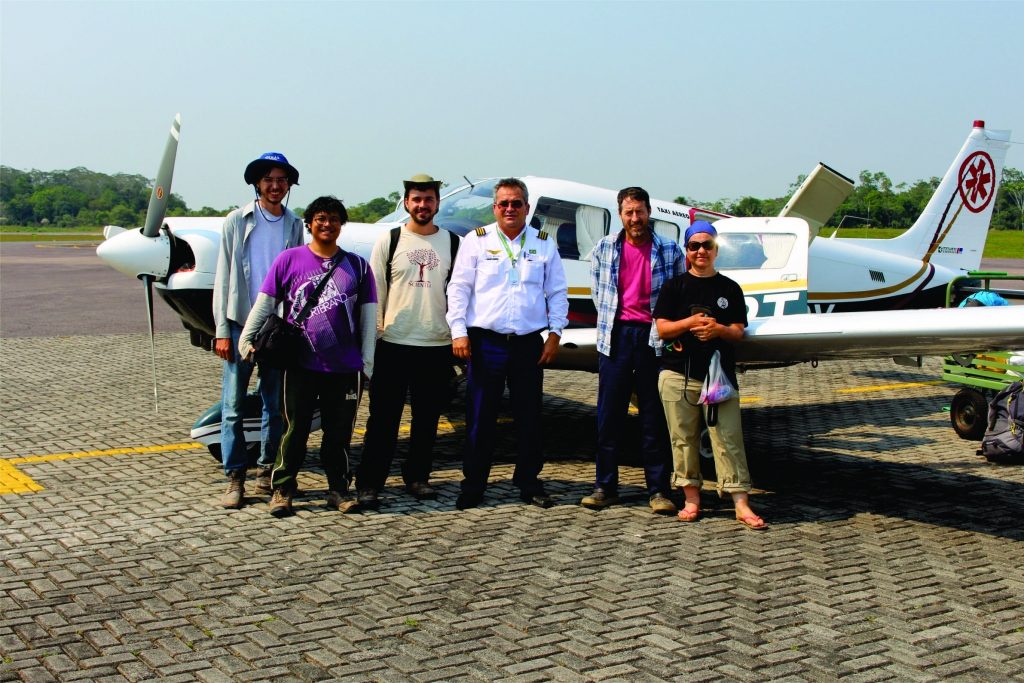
(1004, 438)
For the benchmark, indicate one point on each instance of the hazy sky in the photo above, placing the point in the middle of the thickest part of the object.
(705, 100)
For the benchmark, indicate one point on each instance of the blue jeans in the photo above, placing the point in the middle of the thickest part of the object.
(235, 384)
(631, 364)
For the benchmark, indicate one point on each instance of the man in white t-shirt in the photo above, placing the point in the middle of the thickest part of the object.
(251, 239)
(412, 265)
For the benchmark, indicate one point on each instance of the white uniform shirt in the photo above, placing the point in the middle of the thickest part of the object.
(480, 293)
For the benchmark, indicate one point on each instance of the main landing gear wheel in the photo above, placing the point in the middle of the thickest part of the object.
(969, 414)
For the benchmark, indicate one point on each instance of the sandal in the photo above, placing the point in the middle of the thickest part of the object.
(689, 515)
(750, 521)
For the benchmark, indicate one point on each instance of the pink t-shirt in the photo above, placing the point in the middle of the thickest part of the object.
(635, 283)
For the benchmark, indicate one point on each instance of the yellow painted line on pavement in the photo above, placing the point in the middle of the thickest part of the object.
(444, 424)
(14, 481)
(886, 387)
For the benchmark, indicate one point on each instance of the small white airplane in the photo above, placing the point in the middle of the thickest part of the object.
(865, 285)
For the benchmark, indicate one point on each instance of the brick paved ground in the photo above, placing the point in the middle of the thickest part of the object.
(894, 552)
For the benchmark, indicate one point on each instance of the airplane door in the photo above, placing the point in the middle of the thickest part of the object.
(576, 229)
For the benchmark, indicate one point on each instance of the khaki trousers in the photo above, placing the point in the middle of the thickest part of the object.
(684, 430)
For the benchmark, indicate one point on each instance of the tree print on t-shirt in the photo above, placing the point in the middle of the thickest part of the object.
(425, 259)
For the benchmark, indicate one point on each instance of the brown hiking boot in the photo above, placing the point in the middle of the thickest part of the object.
(281, 503)
(263, 486)
(342, 501)
(234, 496)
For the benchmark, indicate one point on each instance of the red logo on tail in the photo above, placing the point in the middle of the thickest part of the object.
(977, 181)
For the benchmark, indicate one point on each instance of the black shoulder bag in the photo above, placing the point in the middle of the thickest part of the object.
(279, 342)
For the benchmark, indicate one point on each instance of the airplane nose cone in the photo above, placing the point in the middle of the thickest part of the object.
(132, 253)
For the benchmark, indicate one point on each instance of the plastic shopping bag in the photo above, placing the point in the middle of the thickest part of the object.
(717, 387)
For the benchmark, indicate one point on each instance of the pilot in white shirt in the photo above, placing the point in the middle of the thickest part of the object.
(507, 286)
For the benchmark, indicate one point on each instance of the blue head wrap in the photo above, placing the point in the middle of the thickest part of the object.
(698, 227)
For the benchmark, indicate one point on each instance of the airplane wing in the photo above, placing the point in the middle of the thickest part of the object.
(818, 197)
(867, 334)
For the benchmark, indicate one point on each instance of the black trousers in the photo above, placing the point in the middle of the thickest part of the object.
(422, 372)
(338, 394)
(498, 360)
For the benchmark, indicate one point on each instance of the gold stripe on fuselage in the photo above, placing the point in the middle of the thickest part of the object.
(753, 287)
(831, 296)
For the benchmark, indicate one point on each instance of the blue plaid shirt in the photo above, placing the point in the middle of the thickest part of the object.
(667, 261)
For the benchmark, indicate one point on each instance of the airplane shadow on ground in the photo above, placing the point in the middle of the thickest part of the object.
(794, 459)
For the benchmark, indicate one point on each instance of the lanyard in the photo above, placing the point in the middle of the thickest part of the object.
(508, 248)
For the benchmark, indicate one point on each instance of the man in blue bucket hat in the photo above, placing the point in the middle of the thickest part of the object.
(252, 238)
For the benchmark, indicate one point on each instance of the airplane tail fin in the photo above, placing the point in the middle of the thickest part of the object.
(951, 231)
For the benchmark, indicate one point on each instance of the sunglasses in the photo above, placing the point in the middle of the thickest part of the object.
(514, 203)
(694, 245)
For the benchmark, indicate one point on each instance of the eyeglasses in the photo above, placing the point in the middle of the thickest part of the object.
(327, 220)
(694, 245)
(271, 180)
(514, 203)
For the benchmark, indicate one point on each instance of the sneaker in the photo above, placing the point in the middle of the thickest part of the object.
(421, 490)
(342, 501)
(662, 505)
(234, 496)
(281, 503)
(368, 499)
(600, 498)
(263, 486)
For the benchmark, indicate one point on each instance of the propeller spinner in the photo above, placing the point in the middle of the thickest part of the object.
(146, 253)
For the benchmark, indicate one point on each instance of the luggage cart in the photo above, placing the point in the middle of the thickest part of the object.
(983, 375)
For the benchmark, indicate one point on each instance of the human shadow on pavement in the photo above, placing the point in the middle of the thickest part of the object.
(793, 455)
(792, 451)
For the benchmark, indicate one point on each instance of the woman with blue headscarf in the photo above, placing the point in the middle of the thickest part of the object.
(698, 313)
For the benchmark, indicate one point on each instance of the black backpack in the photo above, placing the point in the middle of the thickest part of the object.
(1004, 438)
(396, 233)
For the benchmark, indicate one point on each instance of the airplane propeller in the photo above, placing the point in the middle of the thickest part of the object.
(154, 221)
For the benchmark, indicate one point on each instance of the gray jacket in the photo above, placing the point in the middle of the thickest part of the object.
(231, 285)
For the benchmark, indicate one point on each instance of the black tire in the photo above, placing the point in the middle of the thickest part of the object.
(969, 414)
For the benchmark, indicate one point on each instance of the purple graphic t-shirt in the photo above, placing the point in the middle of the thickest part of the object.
(332, 328)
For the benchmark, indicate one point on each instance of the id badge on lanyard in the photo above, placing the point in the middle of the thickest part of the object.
(513, 271)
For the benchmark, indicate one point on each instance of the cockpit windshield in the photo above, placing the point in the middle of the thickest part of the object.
(465, 209)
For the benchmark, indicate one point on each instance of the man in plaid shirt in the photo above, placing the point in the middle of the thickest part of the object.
(627, 271)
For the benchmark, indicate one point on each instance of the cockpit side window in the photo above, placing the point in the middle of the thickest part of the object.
(575, 227)
(753, 250)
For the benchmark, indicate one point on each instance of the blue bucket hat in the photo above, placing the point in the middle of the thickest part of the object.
(698, 227)
(259, 167)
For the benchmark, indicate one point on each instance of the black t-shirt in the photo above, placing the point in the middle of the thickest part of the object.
(725, 300)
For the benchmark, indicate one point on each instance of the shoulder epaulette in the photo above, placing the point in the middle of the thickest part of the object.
(480, 232)
(542, 235)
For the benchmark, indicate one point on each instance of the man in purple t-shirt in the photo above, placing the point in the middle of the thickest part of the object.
(336, 359)
(627, 271)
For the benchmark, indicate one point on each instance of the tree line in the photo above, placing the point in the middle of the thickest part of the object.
(877, 202)
(80, 197)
